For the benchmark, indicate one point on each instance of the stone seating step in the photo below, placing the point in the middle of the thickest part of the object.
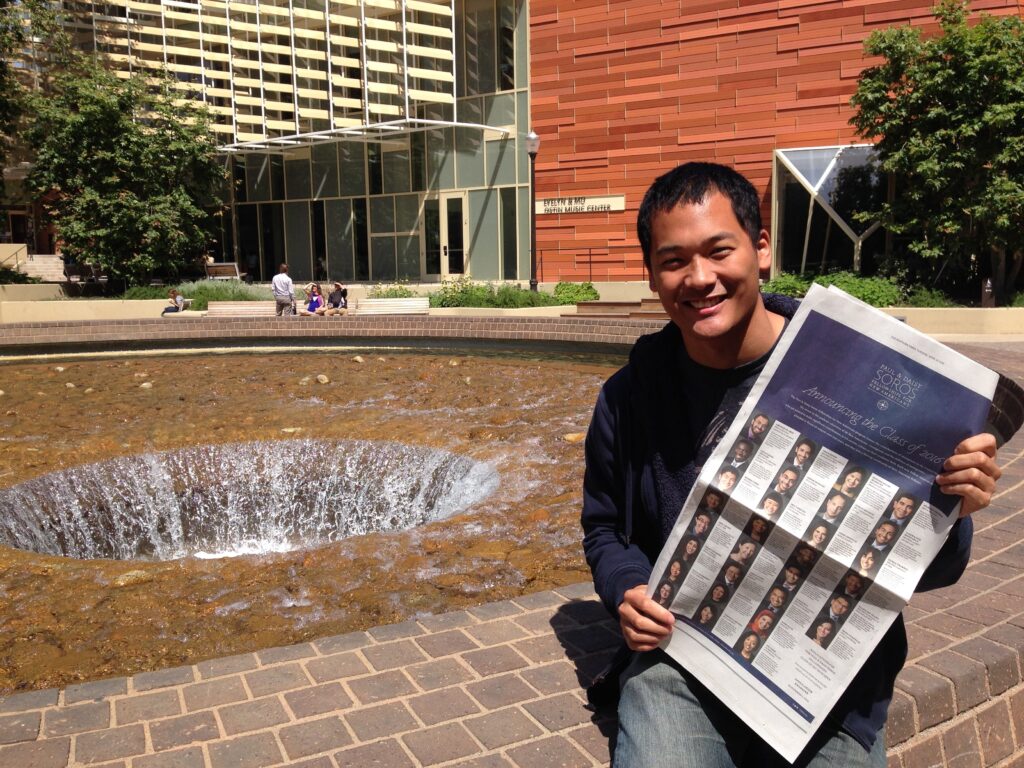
(606, 308)
(240, 309)
(419, 305)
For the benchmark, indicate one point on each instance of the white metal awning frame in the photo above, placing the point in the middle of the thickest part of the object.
(814, 188)
(375, 132)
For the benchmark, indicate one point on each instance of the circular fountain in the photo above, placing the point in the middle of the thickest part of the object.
(381, 468)
(240, 498)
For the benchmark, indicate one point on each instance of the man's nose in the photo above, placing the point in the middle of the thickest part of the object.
(700, 275)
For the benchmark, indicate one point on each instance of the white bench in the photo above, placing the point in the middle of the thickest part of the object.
(418, 305)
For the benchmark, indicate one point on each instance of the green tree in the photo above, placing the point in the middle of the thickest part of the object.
(32, 39)
(127, 171)
(12, 94)
(948, 115)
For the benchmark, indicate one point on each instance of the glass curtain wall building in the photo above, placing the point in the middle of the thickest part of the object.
(368, 140)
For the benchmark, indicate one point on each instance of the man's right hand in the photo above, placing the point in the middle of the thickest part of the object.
(644, 623)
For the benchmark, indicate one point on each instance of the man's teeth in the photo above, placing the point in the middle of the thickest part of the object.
(704, 303)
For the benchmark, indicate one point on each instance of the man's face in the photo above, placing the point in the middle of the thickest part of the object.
(732, 573)
(776, 598)
(771, 506)
(902, 507)
(741, 451)
(712, 501)
(700, 524)
(805, 555)
(884, 534)
(705, 270)
(803, 452)
(853, 584)
(759, 425)
(839, 605)
(726, 480)
(792, 575)
(786, 480)
(834, 506)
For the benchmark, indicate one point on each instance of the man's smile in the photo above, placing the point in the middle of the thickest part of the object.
(706, 303)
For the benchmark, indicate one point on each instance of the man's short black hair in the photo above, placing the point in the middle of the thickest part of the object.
(691, 183)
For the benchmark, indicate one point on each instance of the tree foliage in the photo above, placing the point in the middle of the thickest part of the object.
(128, 173)
(948, 115)
(12, 38)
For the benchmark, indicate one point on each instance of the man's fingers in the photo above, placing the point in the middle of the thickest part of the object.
(983, 442)
(644, 623)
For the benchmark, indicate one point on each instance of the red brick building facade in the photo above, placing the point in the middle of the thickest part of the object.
(623, 90)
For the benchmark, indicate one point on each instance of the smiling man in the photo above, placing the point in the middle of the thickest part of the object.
(655, 425)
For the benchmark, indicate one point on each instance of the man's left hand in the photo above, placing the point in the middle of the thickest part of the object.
(971, 472)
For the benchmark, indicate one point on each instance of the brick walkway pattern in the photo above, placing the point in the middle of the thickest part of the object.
(501, 684)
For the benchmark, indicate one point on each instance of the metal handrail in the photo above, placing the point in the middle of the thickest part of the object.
(15, 255)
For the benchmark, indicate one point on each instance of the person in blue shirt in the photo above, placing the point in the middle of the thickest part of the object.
(656, 423)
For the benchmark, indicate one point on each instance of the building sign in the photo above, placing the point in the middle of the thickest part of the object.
(598, 204)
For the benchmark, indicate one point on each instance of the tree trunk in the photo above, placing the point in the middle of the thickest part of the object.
(998, 254)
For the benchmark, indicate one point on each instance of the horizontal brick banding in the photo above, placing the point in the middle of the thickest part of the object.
(622, 92)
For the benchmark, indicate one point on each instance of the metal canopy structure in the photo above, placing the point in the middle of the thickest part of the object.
(825, 173)
(378, 132)
(280, 74)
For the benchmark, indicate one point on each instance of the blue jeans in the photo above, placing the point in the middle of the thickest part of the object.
(669, 720)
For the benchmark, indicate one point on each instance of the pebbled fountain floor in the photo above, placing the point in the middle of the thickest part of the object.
(501, 684)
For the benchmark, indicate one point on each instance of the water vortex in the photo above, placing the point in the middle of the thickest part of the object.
(241, 498)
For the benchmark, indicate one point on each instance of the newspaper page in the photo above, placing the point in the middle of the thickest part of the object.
(814, 519)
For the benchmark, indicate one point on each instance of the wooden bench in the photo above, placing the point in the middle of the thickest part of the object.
(418, 305)
(241, 309)
(226, 270)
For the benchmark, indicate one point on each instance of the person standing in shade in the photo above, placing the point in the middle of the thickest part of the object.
(284, 292)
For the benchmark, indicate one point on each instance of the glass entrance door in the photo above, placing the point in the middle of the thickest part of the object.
(444, 235)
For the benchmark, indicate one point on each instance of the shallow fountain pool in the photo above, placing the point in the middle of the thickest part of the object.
(512, 424)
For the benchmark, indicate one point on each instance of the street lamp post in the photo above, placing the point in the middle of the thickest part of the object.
(532, 148)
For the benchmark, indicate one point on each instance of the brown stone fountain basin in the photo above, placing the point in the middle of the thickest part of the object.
(513, 424)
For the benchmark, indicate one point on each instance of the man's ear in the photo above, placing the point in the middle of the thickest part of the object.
(763, 247)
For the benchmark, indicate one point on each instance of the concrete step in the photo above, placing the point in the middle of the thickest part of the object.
(47, 267)
(607, 308)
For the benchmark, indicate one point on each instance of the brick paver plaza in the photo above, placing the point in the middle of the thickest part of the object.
(501, 684)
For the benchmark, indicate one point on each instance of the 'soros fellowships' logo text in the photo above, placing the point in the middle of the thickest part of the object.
(895, 386)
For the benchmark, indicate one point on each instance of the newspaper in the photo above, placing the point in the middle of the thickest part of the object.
(812, 522)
